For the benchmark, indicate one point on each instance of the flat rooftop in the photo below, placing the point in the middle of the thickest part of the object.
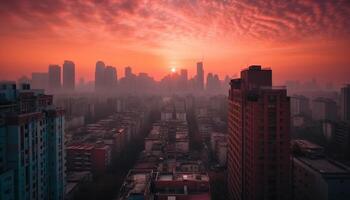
(136, 183)
(182, 177)
(306, 144)
(325, 166)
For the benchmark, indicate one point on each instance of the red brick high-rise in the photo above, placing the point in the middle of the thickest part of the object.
(258, 126)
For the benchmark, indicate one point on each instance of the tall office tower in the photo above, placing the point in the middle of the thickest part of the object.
(99, 76)
(184, 74)
(345, 103)
(200, 76)
(68, 75)
(258, 145)
(127, 72)
(54, 77)
(110, 76)
(209, 85)
(39, 80)
(213, 83)
(183, 80)
(32, 161)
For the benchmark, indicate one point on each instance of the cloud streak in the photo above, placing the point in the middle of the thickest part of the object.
(273, 20)
(176, 30)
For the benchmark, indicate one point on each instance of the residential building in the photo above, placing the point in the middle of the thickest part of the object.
(32, 158)
(258, 137)
(315, 176)
(99, 76)
(110, 77)
(68, 75)
(88, 157)
(200, 77)
(54, 78)
(137, 185)
(345, 103)
(184, 186)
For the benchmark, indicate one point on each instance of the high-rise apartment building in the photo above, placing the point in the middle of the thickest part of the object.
(258, 145)
(200, 76)
(183, 84)
(213, 83)
(68, 75)
(54, 77)
(99, 76)
(128, 72)
(32, 156)
(345, 103)
(110, 76)
(184, 74)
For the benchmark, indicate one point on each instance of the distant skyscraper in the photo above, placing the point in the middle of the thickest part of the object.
(210, 81)
(32, 161)
(213, 83)
(200, 76)
(184, 74)
(99, 76)
(183, 84)
(54, 77)
(110, 76)
(68, 75)
(39, 80)
(345, 103)
(128, 72)
(258, 145)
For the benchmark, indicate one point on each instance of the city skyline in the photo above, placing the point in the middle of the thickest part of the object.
(174, 99)
(298, 39)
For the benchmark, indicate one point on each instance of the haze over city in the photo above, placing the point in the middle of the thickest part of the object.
(174, 100)
(299, 39)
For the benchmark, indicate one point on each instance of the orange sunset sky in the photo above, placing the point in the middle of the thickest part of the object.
(298, 39)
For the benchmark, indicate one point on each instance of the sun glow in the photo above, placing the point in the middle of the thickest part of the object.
(173, 70)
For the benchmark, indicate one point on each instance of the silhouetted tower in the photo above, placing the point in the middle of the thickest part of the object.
(200, 76)
(128, 72)
(68, 75)
(99, 76)
(110, 76)
(54, 77)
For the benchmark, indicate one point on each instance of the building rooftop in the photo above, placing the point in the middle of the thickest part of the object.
(306, 144)
(307, 148)
(182, 177)
(81, 146)
(136, 183)
(325, 166)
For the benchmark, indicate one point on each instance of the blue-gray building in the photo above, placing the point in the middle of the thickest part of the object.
(32, 160)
